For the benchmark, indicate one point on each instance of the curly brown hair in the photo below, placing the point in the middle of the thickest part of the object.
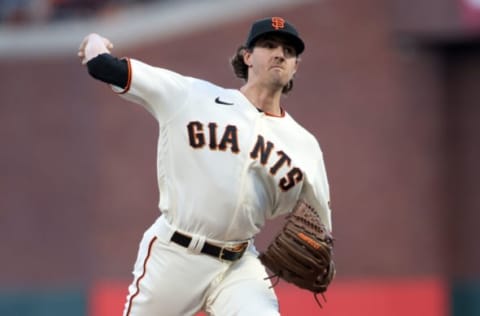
(241, 69)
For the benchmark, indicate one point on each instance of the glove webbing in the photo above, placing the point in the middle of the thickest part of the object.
(315, 295)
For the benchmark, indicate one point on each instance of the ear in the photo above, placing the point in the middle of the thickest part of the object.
(297, 63)
(247, 57)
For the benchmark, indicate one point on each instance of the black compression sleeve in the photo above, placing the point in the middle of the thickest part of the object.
(109, 69)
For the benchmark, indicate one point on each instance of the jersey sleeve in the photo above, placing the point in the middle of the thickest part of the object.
(162, 92)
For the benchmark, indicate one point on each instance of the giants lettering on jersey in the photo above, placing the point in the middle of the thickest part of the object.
(197, 138)
(262, 150)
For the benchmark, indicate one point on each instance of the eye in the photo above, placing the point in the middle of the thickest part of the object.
(289, 51)
(269, 44)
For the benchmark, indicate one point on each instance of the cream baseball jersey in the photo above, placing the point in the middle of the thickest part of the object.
(223, 166)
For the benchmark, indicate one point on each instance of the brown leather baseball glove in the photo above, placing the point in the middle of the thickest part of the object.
(301, 253)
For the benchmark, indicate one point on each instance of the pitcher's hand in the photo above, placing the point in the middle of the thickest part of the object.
(92, 46)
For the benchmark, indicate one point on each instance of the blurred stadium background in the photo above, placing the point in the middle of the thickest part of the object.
(390, 88)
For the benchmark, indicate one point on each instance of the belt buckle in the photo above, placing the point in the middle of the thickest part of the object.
(238, 249)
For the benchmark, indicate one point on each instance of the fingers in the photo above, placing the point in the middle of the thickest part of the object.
(107, 43)
(84, 42)
(81, 49)
(92, 45)
(82, 57)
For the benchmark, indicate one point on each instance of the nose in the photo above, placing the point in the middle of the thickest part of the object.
(279, 52)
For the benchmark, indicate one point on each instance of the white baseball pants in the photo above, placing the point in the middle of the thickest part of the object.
(171, 280)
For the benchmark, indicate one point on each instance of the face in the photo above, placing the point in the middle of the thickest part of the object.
(272, 62)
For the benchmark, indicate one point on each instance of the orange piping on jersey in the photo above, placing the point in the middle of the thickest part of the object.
(137, 284)
(129, 80)
(282, 113)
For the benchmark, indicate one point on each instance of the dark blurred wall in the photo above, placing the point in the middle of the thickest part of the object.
(463, 157)
(397, 121)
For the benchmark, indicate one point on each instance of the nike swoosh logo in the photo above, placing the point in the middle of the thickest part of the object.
(217, 100)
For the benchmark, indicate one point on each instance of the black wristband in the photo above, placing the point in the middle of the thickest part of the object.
(109, 69)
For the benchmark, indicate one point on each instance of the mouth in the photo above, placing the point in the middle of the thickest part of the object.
(276, 67)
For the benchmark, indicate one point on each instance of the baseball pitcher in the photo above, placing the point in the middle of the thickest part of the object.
(228, 160)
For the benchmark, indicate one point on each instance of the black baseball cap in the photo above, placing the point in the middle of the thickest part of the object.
(275, 25)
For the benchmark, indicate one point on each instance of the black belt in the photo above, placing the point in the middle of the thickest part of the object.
(221, 253)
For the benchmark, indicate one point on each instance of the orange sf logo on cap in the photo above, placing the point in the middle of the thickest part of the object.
(278, 23)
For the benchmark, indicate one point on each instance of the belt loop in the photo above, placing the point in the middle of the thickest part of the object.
(164, 230)
(196, 245)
